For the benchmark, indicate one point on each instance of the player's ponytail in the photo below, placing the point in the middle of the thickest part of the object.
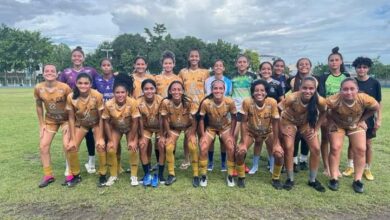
(312, 111)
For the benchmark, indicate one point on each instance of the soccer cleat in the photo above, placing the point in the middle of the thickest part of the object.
(67, 179)
(134, 181)
(316, 185)
(253, 170)
(296, 168)
(277, 184)
(46, 180)
(246, 168)
(90, 169)
(195, 181)
(147, 180)
(349, 171)
(102, 181)
(171, 179)
(155, 180)
(185, 164)
(75, 180)
(368, 175)
(241, 182)
(162, 179)
(357, 186)
(203, 181)
(303, 165)
(210, 166)
(111, 180)
(333, 185)
(230, 181)
(288, 185)
(223, 167)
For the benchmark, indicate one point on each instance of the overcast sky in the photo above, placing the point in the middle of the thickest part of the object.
(289, 29)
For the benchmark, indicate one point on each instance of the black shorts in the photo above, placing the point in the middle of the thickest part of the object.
(370, 133)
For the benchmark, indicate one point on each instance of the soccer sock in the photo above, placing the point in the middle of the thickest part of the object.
(230, 167)
(157, 153)
(146, 168)
(91, 161)
(367, 167)
(203, 167)
(67, 168)
(102, 163)
(295, 160)
(74, 164)
(161, 170)
(276, 172)
(195, 158)
(272, 163)
(211, 156)
(312, 176)
(290, 175)
(112, 162)
(133, 156)
(256, 161)
(350, 163)
(47, 171)
(240, 170)
(303, 158)
(170, 157)
(223, 157)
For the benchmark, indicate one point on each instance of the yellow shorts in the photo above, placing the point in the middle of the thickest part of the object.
(53, 126)
(149, 133)
(289, 129)
(212, 132)
(333, 128)
(258, 136)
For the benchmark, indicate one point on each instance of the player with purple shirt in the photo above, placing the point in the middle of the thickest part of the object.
(104, 83)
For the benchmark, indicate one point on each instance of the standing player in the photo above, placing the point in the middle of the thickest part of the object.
(139, 75)
(278, 73)
(371, 87)
(51, 96)
(167, 76)
(69, 77)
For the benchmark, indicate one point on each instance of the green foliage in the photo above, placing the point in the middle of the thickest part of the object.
(60, 56)
(380, 70)
(320, 69)
(254, 58)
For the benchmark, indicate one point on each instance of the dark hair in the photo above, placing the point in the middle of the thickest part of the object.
(124, 80)
(362, 61)
(189, 52)
(277, 61)
(303, 58)
(105, 59)
(266, 62)
(259, 82)
(76, 91)
(335, 51)
(146, 81)
(209, 96)
(78, 49)
(312, 111)
(168, 55)
(243, 55)
(185, 100)
(347, 80)
(140, 57)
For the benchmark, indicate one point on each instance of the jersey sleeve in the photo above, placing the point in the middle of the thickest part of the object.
(274, 109)
(69, 105)
(331, 100)
(164, 107)
(322, 105)
(36, 94)
(378, 92)
(106, 113)
(193, 108)
(134, 110)
(203, 108)
(245, 107)
(232, 107)
(368, 101)
(99, 102)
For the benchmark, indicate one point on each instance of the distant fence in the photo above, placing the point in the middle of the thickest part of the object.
(384, 82)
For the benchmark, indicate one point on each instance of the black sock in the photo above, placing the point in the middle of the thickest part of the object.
(146, 168)
(157, 153)
(160, 170)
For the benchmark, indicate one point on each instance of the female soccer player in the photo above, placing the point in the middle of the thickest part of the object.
(193, 78)
(278, 73)
(178, 114)
(150, 123)
(348, 111)
(260, 122)
(50, 97)
(329, 84)
(139, 75)
(85, 106)
(303, 112)
(121, 117)
(220, 112)
(69, 77)
(167, 76)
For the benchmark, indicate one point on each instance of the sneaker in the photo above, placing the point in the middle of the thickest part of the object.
(128, 170)
(333, 185)
(154, 168)
(316, 185)
(161, 179)
(235, 173)
(75, 180)
(230, 181)
(171, 179)
(111, 180)
(246, 168)
(241, 182)
(147, 180)
(358, 186)
(368, 175)
(185, 164)
(134, 181)
(223, 167)
(303, 165)
(203, 181)
(102, 181)
(210, 166)
(253, 170)
(67, 179)
(196, 181)
(288, 185)
(296, 168)
(90, 169)
(277, 184)
(349, 171)
(46, 180)
(155, 180)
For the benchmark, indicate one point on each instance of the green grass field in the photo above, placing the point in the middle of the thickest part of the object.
(21, 171)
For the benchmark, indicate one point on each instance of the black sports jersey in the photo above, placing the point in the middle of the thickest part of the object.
(371, 87)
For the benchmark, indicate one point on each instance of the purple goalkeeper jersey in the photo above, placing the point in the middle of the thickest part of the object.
(69, 75)
(105, 87)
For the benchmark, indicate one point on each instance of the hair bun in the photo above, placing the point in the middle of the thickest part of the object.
(335, 50)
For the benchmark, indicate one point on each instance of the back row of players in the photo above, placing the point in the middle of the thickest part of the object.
(192, 102)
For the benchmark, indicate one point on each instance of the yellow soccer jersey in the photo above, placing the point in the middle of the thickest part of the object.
(86, 109)
(121, 116)
(194, 83)
(54, 100)
(347, 116)
(219, 116)
(150, 113)
(179, 117)
(295, 111)
(259, 118)
(137, 92)
(163, 83)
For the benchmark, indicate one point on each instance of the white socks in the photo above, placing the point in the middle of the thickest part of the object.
(91, 161)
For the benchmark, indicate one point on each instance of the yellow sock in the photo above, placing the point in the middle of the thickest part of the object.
(133, 163)
(170, 158)
(102, 163)
(230, 166)
(47, 171)
(276, 172)
(203, 167)
(240, 170)
(195, 158)
(118, 161)
(112, 162)
(74, 164)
